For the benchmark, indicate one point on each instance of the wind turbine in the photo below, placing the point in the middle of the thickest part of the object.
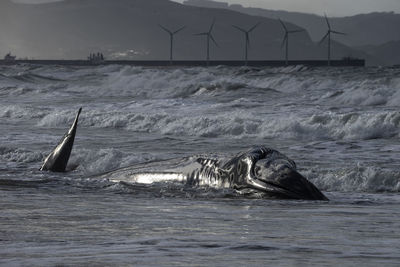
(209, 37)
(171, 34)
(328, 34)
(247, 39)
(286, 40)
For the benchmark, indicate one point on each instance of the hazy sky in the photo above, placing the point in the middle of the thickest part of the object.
(331, 7)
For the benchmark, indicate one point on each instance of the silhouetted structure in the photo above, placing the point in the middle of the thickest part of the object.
(191, 63)
(171, 34)
(286, 40)
(328, 34)
(9, 58)
(209, 37)
(247, 39)
(96, 58)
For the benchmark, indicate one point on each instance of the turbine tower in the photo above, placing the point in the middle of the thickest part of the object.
(247, 39)
(328, 34)
(286, 40)
(171, 34)
(209, 37)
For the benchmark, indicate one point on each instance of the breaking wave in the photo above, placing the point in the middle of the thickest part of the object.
(234, 124)
(359, 178)
(294, 103)
(343, 86)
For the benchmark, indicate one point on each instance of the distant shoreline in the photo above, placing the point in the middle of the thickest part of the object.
(192, 63)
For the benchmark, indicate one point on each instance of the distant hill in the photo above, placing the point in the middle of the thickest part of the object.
(389, 52)
(129, 29)
(362, 31)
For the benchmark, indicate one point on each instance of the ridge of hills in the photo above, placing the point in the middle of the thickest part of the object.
(129, 29)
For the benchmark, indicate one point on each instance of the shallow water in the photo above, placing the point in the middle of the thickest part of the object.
(341, 126)
(44, 227)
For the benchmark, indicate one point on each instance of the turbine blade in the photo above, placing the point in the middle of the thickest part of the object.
(240, 29)
(165, 29)
(283, 25)
(179, 29)
(342, 33)
(202, 33)
(248, 39)
(327, 22)
(323, 38)
(284, 41)
(255, 26)
(212, 26)
(295, 31)
(212, 38)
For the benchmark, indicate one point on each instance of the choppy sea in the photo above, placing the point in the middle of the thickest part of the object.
(340, 125)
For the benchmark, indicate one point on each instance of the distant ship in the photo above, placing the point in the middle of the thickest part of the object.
(94, 58)
(9, 58)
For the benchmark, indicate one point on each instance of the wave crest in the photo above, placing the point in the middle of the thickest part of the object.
(358, 179)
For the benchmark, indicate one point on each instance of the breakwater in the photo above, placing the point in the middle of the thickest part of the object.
(190, 63)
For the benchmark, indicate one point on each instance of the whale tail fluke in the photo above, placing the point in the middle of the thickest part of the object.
(57, 160)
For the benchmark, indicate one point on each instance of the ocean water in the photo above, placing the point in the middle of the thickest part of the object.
(340, 125)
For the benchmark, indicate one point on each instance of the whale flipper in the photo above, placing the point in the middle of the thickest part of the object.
(57, 160)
